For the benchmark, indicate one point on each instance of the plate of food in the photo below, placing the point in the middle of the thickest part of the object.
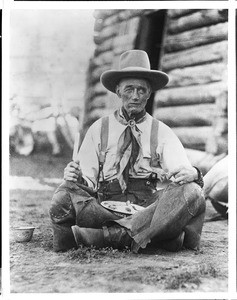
(126, 208)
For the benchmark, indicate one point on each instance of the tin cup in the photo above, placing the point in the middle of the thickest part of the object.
(23, 234)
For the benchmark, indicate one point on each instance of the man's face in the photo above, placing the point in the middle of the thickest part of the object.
(134, 94)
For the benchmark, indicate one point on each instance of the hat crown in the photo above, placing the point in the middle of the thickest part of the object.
(135, 59)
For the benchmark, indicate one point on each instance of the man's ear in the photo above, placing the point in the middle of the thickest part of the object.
(117, 91)
(149, 94)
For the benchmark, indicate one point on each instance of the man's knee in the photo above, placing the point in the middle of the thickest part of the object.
(194, 197)
(61, 209)
(63, 217)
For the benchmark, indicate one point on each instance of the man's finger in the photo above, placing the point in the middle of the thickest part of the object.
(173, 173)
(69, 178)
(73, 170)
(72, 174)
(74, 164)
(179, 179)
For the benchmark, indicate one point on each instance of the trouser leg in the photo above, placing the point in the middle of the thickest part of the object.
(179, 208)
(62, 215)
(74, 205)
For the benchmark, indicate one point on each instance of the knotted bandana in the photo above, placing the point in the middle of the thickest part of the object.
(129, 152)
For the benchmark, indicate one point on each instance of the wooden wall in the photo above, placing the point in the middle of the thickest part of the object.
(194, 55)
(194, 103)
(115, 32)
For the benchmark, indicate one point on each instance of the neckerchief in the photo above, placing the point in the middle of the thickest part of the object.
(129, 152)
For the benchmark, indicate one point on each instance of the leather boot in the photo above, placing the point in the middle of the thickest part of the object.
(89, 237)
(173, 245)
(193, 232)
(63, 238)
(115, 236)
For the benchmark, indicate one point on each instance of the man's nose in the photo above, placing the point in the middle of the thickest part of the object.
(135, 94)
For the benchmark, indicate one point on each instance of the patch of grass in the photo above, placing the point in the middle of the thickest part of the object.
(189, 277)
(90, 254)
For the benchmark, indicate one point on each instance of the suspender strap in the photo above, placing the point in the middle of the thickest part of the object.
(104, 135)
(154, 142)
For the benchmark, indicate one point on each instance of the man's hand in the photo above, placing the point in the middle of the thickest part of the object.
(72, 172)
(183, 175)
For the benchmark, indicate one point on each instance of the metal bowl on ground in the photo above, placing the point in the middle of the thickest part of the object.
(23, 234)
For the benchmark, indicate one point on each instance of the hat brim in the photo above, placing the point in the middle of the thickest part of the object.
(157, 79)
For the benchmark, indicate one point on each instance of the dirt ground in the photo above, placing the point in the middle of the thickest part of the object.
(36, 268)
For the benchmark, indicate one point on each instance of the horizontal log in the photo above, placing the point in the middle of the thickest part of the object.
(222, 104)
(217, 144)
(124, 43)
(123, 48)
(98, 89)
(191, 57)
(127, 14)
(196, 37)
(107, 45)
(95, 115)
(104, 58)
(107, 32)
(111, 20)
(198, 19)
(97, 103)
(124, 15)
(220, 126)
(190, 115)
(129, 26)
(198, 75)
(188, 95)
(98, 25)
(127, 39)
(109, 101)
(96, 73)
(104, 13)
(193, 137)
(175, 13)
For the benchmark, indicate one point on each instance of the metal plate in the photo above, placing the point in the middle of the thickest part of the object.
(126, 208)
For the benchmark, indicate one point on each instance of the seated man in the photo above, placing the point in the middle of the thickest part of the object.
(127, 157)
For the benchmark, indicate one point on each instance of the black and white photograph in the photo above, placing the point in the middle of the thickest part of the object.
(118, 147)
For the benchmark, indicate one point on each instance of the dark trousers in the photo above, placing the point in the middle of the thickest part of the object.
(167, 212)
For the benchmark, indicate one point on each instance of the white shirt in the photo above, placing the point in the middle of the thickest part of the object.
(171, 151)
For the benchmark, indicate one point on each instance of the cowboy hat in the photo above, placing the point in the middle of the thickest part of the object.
(134, 64)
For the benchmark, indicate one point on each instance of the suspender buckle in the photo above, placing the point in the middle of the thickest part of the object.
(153, 177)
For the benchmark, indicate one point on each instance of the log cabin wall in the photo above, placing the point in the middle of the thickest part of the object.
(115, 32)
(194, 104)
(194, 54)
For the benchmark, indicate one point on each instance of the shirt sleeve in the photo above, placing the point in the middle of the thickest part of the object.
(171, 150)
(88, 155)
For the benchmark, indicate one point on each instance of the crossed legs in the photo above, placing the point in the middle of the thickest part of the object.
(174, 219)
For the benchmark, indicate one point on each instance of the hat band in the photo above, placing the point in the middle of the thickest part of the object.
(134, 69)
